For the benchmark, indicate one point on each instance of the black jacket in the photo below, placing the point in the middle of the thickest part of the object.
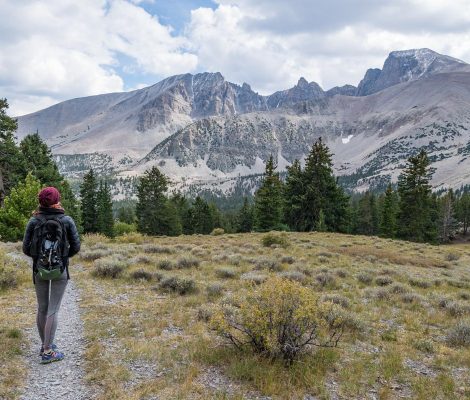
(71, 231)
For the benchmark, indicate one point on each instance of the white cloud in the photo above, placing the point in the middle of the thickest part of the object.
(60, 49)
(134, 32)
(52, 51)
(271, 43)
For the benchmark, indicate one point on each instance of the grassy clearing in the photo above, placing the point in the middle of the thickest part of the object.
(408, 308)
(17, 305)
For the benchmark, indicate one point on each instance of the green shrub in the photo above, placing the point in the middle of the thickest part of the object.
(226, 273)
(254, 277)
(165, 264)
(280, 305)
(217, 232)
(398, 288)
(293, 276)
(464, 296)
(452, 256)
(341, 273)
(383, 281)
(109, 267)
(268, 263)
(275, 239)
(122, 228)
(8, 278)
(364, 278)
(94, 254)
(179, 285)
(204, 314)
(389, 335)
(132, 237)
(410, 298)
(287, 260)
(456, 309)
(338, 299)
(419, 283)
(379, 294)
(458, 284)
(215, 290)
(142, 274)
(187, 262)
(141, 259)
(234, 259)
(153, 248)
(325, 279)
(459, 335)
(423, 345)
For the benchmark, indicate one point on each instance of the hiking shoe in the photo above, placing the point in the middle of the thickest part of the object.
(53, 348)
(47, 358)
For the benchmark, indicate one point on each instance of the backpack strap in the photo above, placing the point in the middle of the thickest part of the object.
(34, 245)
(65, 242)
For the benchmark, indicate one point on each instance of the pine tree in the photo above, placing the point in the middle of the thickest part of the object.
(18, 207)
(156, 215)
(294, 193)
(183, 209)
(268, 200)
(321, 225)
(462, 209)
(322, 192)
(173, 220)
(38, 160)
(12, 168)
(88, 195)
(245, 217)
(104, 208)
(201, 217)
(416, 217)
(216, 216)
(70, 202)
(368, 214)
(388, 225)
(354, 215)
(126, 213)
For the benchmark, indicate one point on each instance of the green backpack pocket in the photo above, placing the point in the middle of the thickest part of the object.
(49, 274)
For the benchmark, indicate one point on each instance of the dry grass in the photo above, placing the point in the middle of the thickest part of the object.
(406, 304)
(17, 305)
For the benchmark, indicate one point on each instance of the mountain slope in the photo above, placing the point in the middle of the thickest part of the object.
(371, 136)
(201, 129)
(140, 118)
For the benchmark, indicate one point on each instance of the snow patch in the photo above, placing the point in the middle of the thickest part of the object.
(346, 140)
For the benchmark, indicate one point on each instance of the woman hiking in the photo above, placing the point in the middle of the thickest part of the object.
(51, 237)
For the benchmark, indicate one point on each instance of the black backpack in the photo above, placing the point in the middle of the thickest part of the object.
(49, 243)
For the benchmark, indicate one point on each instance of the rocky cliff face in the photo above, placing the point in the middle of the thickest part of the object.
(201, 128)
(405, 66)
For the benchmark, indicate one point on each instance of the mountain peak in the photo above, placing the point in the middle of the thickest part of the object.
(406, 65)
(302, 82)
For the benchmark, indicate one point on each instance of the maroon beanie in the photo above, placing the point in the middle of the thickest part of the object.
(48, 196)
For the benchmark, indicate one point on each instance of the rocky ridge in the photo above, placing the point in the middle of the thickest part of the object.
(201, 129)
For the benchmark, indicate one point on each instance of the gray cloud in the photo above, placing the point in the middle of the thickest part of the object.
(59, 49)
(300, 16)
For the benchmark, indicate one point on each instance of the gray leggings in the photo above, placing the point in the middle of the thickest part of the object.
(49, 294)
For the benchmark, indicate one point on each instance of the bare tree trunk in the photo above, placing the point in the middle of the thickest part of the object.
(2, 188)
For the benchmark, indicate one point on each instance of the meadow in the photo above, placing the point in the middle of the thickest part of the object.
(147, 305)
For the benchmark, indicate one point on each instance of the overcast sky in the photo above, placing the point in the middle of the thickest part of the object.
(54, 50)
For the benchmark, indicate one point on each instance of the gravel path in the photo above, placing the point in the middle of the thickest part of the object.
(63, 379)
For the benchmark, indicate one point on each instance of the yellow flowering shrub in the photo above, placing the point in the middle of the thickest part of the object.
(280, 318)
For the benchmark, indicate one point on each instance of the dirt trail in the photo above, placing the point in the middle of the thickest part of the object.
(63, 379)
